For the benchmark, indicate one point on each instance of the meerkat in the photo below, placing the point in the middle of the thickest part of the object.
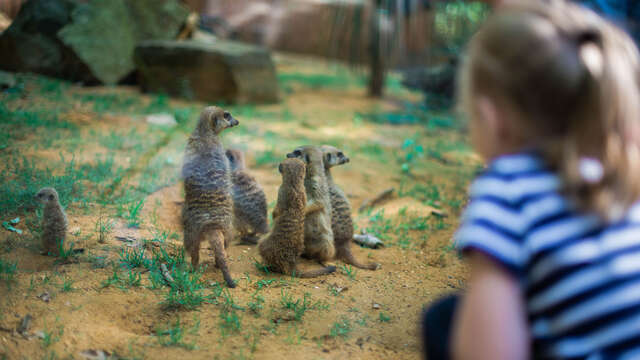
(341, 222)
(54, 221)
(318, 236)
(249, 201)
(282, 247)
(207, 213)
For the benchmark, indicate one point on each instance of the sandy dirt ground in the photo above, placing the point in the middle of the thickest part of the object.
(356, 314)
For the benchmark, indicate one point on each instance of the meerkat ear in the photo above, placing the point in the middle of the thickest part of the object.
(280, 168)
(328, 157)
(307, 159)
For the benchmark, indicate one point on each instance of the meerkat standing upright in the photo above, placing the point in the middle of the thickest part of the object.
(341, 222)
(207, 213)
(54, 221)
(282, 247)
(249, 201)
(318, 236)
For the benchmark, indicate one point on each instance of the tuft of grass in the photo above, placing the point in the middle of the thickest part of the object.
(341, 328)
(298, 306)
(103, 228)
(66, 255)
(52, 336)
(133, 213)
(133, 279)
(186, 291)
(384, 317)
(133, 258)
(349, 270)
(8, 270)
(173, 335)
(67, 285)
(261, 267)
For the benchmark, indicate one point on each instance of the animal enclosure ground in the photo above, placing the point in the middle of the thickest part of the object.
(118, 178)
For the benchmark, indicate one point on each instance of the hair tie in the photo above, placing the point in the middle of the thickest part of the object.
(590, 51)
(591, 170)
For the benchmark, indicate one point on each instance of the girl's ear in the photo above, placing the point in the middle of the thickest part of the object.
(490, 115)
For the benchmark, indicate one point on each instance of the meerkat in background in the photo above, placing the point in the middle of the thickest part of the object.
(341, 222)
(54, 221)
(249, 201)
(282, 247)
(207, 213)
(318, 236)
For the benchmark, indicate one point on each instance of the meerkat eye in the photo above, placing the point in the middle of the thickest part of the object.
(340, 154)
(226, 115)
(50, 197)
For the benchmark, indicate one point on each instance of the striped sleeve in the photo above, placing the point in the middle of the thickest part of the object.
(493, 222)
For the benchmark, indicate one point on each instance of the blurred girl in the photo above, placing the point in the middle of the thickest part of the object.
(552, 232)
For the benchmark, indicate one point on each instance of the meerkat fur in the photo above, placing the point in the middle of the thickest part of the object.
(282, 247)
(249, 201)
(318, 237)
(54, 221)
(207, 213)
(341, 221)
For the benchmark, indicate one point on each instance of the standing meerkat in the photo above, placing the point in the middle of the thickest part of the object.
(318, 236)
(249, 201)
(54, 221)
(207, 213)
(282, 247)
(341, 222)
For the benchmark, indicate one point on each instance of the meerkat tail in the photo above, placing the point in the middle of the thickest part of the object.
(315, 273)
(216, 239)
(345, 254)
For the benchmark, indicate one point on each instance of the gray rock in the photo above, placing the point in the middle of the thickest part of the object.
(7, 80)
(209, 71)
(30, 44)
(104, 33)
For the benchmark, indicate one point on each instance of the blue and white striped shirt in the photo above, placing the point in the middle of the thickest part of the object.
(580, 278)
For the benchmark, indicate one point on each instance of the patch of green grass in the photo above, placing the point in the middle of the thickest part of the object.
(52, 336)
(67, 285)
(133, 213)
(256, 303)
(103, 228)
(133, 278)
(133, 257)
(317, 81)
(341, 328)
(186, 291)
(261, 267)
(384, 317)
(8, 270)
(173, 335)
(379, 225)
(298, 306)
(66, 255)
(349, 270)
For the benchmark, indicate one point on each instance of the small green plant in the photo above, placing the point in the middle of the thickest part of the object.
(66, 255)
(133, 279)
(134, 210)
(172, 335)
(51, 337)
(341, 328)
(133, 258)
(103, 228)
(261, 267)
(8, 270)
(67, 285)
(349, 271)
(299, 306)
(113, 279)
(263, 283)
(384, 317)
(186, 291)
(256, 303)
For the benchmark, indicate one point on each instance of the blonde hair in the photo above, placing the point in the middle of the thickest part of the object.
(573, 79)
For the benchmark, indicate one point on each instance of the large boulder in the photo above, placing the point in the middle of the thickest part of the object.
(104, 33)
(30, 44)
(219, 70)
(86, 40)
